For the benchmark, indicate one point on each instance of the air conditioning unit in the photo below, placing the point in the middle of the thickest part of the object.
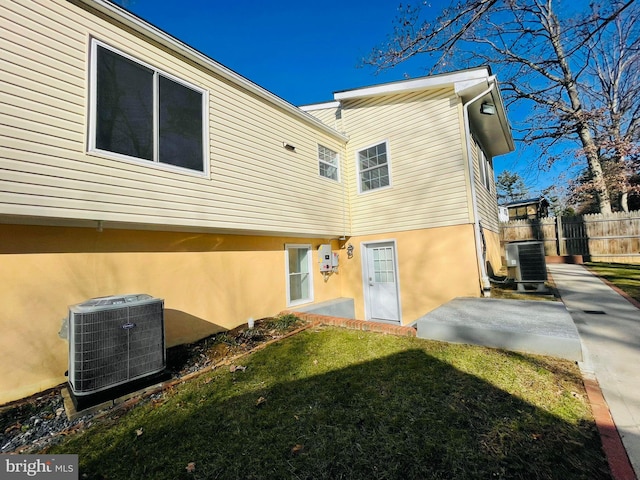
(115, 340)
(526, 264)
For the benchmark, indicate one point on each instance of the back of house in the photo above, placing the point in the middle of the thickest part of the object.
(132, 163)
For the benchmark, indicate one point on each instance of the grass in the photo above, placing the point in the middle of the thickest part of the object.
(624, 276)
(340, 404)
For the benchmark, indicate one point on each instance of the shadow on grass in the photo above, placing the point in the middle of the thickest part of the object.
(407, 415)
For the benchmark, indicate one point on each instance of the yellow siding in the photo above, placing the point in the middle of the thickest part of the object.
(329, 116)
(256, 189)
(254, 185)
(428, 187)
(486, 198)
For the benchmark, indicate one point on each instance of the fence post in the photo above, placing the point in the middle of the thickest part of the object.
(559, 237)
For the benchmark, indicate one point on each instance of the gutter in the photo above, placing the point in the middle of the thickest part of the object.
(482, 269)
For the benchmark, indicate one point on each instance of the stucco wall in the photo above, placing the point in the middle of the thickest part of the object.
(435, 265)
(209, 283)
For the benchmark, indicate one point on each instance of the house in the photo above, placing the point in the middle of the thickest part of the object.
(132, 163)
(527, 209)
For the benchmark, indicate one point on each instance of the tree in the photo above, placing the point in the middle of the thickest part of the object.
(541, 55)
(615, 96)
(511, 186)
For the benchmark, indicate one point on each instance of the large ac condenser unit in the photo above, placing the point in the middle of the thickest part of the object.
(115, 340)
(526, 263)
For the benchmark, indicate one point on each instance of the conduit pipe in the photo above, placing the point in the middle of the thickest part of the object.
(482, 268)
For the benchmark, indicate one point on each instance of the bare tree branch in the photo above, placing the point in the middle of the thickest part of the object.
(546, 59)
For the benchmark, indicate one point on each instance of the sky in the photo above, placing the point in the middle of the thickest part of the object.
(303, 50)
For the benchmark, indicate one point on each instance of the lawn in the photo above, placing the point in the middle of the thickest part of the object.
(624, 276)
(331, 403)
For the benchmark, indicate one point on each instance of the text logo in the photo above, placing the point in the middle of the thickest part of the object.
(51, 467)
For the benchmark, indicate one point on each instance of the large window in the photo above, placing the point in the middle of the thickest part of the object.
(328, 163)
(373, 167)
(141, 113)
(299, 278)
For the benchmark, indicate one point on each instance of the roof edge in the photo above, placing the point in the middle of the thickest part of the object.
(319, 106)
(138, 24)
(404, 86)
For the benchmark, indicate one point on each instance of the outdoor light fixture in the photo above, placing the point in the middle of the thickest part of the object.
(289, 147)
(488, 109)
(349, 251)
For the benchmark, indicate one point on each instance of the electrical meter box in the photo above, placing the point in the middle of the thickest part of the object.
(325, 255)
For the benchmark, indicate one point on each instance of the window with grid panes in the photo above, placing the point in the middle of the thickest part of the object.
(299, 276)
(373, 167)
(328, 163)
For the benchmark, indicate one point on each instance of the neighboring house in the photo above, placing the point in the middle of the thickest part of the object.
(528, 209)
(503, 213)
(132, 163)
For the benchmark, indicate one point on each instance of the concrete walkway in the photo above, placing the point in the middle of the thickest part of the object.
(609, 327)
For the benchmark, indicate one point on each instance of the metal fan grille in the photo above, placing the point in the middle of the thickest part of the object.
(116, 345)
(532, 262)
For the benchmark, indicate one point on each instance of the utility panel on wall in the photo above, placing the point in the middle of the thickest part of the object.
(325, 256)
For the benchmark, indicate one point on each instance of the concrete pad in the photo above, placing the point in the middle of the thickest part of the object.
(338, 307)
(609, 326)
(539, 327)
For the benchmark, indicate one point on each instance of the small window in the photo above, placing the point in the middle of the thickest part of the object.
(328, 163)
(299, 274)
(373, 168)
(485, 169)
(138, 112)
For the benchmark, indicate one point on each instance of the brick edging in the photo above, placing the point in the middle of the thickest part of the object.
(352, 324)
(612, 445)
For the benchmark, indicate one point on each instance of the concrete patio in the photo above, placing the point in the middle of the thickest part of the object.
(529, 326)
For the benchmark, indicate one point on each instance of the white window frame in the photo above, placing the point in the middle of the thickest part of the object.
(309, 249)
(322, 162)
(155, 163)
(485, 168)
(359, 180)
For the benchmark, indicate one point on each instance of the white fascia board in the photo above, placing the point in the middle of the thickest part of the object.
(138, 24)
(319, 106)
(462, 87)
(424, 83)
(496, 94)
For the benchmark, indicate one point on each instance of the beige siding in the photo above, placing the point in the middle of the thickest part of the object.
(486, 198)
(254, 184)
(329, 116)
(428, 187)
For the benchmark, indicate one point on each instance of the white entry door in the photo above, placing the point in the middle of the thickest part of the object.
(381, 282)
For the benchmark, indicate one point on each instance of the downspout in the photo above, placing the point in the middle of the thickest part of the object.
(482, 268)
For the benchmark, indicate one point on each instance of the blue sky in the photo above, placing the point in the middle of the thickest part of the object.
(302, 51)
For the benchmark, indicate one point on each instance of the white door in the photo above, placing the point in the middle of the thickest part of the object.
(381, 282)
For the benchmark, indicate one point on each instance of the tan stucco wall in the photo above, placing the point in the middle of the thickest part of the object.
(494, 251)
(209, 283)
(435, 265)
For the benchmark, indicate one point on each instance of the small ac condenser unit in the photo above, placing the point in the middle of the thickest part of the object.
(526, 263)
(115, 340)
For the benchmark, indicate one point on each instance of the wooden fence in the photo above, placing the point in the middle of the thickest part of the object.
(600, 238)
